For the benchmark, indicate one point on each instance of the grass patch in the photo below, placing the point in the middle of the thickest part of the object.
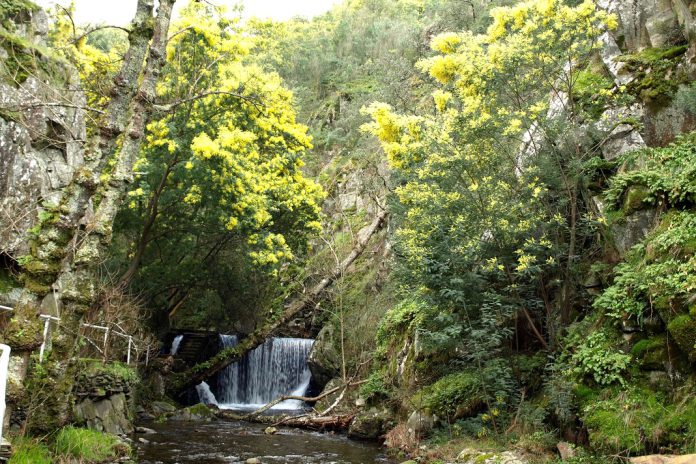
(28, 451)
(87, 444)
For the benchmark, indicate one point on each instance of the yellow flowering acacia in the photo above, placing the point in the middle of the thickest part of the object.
(504, 77)
(476, 230)
(225, 158)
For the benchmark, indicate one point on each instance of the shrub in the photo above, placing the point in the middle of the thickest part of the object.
(375, 386)
(596, 356)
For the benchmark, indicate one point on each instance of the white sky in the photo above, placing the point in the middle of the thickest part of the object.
(120, 12)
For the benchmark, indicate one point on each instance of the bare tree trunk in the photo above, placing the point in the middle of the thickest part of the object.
(181, 382)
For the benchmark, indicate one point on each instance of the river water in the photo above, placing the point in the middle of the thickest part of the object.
(229, 442)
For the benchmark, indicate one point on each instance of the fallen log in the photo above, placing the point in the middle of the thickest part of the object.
(179, 383)
(313, 422)
(306, 399)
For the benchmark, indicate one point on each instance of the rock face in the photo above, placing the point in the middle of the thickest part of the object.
(324, 359)
(42, 132)
(647, 23)
(633, 229)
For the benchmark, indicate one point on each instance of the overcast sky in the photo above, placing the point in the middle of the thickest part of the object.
(120, 12)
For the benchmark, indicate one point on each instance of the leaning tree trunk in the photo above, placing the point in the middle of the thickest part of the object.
(200, 372)
(69, 246)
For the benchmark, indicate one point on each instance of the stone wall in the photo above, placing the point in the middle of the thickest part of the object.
(104, 399)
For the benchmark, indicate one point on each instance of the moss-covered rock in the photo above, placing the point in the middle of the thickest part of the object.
(651, 353)
(635, 197)
(371, 424)
(456, 395)
(683, 330)
(197, 412)
(655, 71)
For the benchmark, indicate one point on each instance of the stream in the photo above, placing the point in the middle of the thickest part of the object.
(179, 442)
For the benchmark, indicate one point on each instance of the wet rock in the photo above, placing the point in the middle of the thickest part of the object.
(270, 430)
(371, 424)
(160, 407)
(144, 430)
(197, 412)
(420, 423)
(143, 440)
(664, 459)
(253, 461)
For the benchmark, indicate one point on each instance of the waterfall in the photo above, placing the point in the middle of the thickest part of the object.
(276, 368)
(205, 395)
(175, 344)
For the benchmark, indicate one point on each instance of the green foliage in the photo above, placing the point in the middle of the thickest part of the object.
(7, 280)
(685, 99)
(667, 173)
(398, 319)
(117, 370)
(375, 386)
(651, 352)
(657, 274)
(590, 92)
(596, 356)
(228, 165)
(10, 10)
(26, 59)
(28, 451)
(88, 445)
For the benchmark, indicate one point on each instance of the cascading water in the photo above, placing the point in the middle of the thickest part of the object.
(276, 368)
(205, 395)
(175, 345)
